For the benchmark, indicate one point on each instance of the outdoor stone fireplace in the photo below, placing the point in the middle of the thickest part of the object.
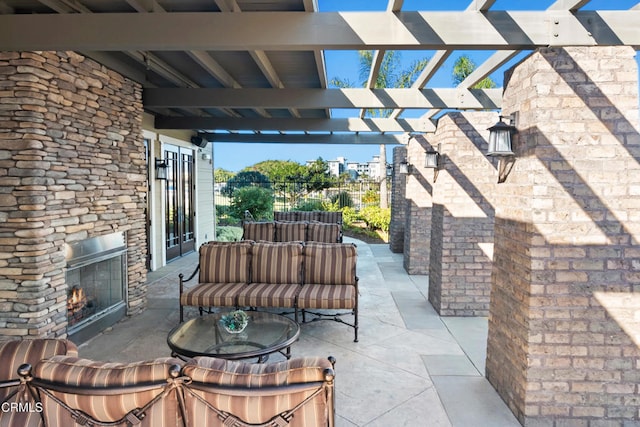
(72, 169)
(96, 281)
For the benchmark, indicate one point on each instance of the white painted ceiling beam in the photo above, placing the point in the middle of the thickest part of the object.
(323, 30)
(568, 4)
(296, 124)
(481, 5)
(323, 98)
(308, 138)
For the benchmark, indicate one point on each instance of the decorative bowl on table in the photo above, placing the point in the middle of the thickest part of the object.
(234, 322)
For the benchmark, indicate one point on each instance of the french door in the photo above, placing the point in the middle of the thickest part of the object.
(179, 210)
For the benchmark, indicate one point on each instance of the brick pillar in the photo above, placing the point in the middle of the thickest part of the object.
(463, 216)
(564, 324)
(398, 202)
(417, 234)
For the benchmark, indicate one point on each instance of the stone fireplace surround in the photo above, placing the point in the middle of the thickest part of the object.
(72, 166)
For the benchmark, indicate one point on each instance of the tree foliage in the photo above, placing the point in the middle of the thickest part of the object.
(222, 175)
(245, 179)
(463, 67)
(391, 75)
(257, 200)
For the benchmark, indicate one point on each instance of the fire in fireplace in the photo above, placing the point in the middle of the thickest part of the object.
(96, 281)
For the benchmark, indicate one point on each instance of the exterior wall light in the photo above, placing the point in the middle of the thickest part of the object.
(432, 158)
(500, 137)
(161, 169)
(403, 167)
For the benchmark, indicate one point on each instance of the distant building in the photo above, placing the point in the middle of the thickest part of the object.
(340, 165)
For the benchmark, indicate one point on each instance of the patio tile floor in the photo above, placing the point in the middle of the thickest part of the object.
(409, 368)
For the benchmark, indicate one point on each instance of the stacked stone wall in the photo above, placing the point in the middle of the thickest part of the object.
(463, 216)
(72, 166)
(563, 345)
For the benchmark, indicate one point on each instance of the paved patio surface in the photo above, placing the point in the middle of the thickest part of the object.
(409, 368)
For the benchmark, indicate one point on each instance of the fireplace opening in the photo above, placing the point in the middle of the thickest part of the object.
(96, 284)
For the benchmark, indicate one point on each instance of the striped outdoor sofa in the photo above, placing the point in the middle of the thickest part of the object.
(70, 391)
(303, 226)
(312, 277)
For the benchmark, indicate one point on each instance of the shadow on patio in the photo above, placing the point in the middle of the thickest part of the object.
(410, 368)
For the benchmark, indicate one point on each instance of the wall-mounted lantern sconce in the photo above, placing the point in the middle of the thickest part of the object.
(432, 161)
(161, 169)
(500, 137)
(389, 169)
(403, 167)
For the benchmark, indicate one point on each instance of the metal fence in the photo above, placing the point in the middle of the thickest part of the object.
(300, 195)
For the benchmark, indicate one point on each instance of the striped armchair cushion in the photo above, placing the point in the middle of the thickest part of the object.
(327, 296)
(307, 216)
(269, 295)
(277, 263)
(12, 355)
(285, 216)
(330, 263)
(15, 353)
(93, 377)
(256, 231)
(322, 232)
(330, 217)
(212, 295)
(295, 231)
(225, 262)
(257, 407)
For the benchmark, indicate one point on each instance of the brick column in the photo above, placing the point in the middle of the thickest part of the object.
(564, 325)
(398, 202)
(417, 235)
(463, 216)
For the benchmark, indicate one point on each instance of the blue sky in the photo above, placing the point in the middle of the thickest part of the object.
(344, 64)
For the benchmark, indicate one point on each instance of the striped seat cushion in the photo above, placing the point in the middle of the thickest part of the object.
(12, 355)
(258, 407)
(307, 216)
(94, 376)
(285, 216)
(322, 232)
(291, 231)
(256, 231)
(15, 353)
(330, 217)
(330, 263)
(212, 295)
(277, 263)
(327, 296)
(269, 295)
(225, 262)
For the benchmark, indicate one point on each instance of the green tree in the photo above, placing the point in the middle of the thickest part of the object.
(222, 175)
(279, 170)
(389, 76)
(246, 179)
(317, 176)
(257, 200)
(463, 67)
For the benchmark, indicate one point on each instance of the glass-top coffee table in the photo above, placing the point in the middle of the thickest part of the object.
(266, 333)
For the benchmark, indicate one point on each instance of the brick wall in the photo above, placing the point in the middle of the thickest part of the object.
(398, 202)
(563, 345)
(417, 227)
(72, 166)
(463, 215)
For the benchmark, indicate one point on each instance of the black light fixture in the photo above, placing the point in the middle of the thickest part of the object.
(161, 169)
(500, 137)
(432, 158)
(403, 167)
